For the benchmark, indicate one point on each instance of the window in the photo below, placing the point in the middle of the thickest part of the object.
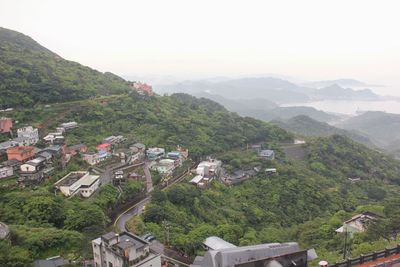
(110, 264)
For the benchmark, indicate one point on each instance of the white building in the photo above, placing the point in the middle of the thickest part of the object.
(209, 168)
(29, 134)
(6, 171)
(123, 250)
(69, 125)
(164, 166)
(222, 253)
(53, 137)
(358, 223)
(78, 182)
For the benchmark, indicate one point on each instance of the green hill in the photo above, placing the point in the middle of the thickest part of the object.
(381, 127)
(30, 74)
(306, 126)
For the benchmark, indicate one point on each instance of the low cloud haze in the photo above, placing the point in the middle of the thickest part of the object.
(308, 40)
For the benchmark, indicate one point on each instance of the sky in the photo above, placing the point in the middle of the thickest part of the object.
(307, 39)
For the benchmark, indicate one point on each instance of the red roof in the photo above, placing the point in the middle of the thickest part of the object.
(103, 146)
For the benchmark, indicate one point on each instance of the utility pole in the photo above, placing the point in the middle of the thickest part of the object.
(345, 243)
(166, 226)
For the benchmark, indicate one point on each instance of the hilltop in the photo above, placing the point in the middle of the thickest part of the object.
(31, 73)
(306, 126)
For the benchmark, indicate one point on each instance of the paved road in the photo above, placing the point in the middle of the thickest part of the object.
(122, 219)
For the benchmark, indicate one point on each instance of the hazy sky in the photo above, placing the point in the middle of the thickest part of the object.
(305, 39)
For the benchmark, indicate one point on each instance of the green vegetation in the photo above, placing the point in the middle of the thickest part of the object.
(305, 202)
(31, 74)
(306, 126)
(43, 224)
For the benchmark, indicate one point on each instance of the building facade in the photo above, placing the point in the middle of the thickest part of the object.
(5, 125)
(123, 250)
(20, 153)
(29, 134)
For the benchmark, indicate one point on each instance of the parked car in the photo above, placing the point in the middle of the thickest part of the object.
(145, 236)
(150, 238)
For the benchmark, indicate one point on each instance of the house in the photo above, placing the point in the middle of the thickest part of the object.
(54, 138)
(184, 152)
(6, 171)
(138, 147)
(267, 154)
(174, 155)
(210, 168)
(7, 144)
(56, 261)
(257, 148)
(155, 153)
(46, 155)
(142, 88)
(69, 125)
(104, 147)
(21, 153)
(239, 176)
(358, 223)
(270, 170)
(5, 125)
(55, 150)
(164, 166)
(113, 139)
(31, 172)
(200, 181)
(80, 182)
(75, 149)
(29, 135)
(92, 158)
(14, 164)
(274, 254)
(124, 249)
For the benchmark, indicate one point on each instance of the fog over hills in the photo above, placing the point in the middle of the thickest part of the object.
(273, 89)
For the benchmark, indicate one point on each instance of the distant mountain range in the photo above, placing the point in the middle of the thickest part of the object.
(272, 89)
(337, 92)
(266, 110)
(341, 82)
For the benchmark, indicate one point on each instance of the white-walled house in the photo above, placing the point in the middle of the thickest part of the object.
(29, 135)
(80, 182)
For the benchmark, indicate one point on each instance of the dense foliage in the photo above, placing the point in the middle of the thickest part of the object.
(201, 125)
(30, 74)
(44, 224)
(304, 202)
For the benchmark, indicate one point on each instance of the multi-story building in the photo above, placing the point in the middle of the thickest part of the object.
(6, 171)
(5, 125)
(69, 125)
(21, 153)
(31, 172)
(29, 135)
(123, 250)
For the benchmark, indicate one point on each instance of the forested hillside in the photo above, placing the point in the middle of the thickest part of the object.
(306, 126)
(30, 74)
(305, 202)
